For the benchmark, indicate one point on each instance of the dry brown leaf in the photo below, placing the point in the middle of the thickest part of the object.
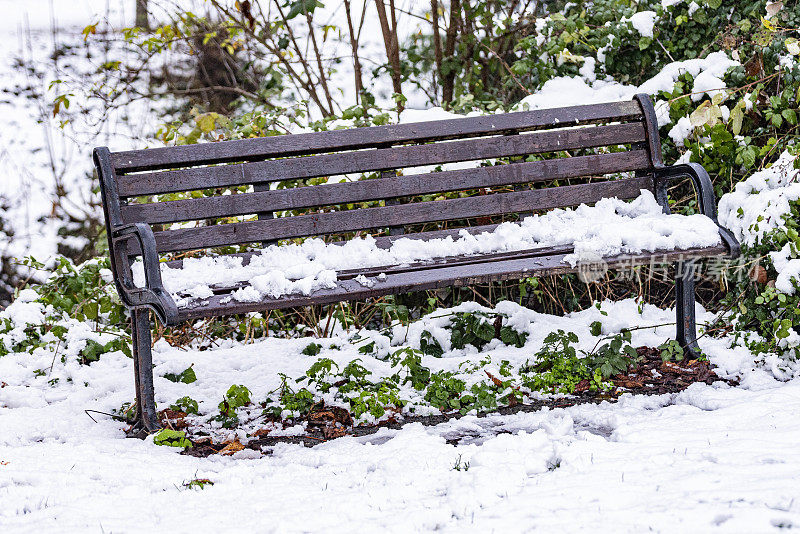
(232, 447)
(494, 379)
(582, 386)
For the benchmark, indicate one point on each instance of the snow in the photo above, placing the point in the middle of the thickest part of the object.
(788, 277)
(682, 129)
(643, 22)
(712, 458)
(566, 90)
(763, 198)
(608, 228)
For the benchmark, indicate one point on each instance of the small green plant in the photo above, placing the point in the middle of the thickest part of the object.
(367, 348)
(236, 397)
(558, 367)
(444, 391)
(312, 349)
(93, 350)
(299, 401)
(375, 401)
(198, 483)
(186, 405)
(410, 363)
(614, 356)
(459, 465)
(429, 346)
(187, 376)
(172, 438)
(478, 328)
(471, 329)
(671, 351)
(319, 372)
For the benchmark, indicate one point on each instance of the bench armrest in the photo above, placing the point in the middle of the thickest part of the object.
(706, 200)
(153, 295)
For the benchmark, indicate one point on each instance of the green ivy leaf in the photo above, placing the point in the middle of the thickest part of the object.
(171, 438)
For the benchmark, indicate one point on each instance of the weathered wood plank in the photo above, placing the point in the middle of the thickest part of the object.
(384, 188)
(320, 142)
(425, 265)
(368, 218)
(434, 278)
(380, 159)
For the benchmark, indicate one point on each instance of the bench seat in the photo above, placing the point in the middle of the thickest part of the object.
(454, 271)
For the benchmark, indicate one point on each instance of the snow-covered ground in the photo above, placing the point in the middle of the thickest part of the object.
(712, 458)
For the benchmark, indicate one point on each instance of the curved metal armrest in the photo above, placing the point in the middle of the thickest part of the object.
(153, 295)
(706, 200)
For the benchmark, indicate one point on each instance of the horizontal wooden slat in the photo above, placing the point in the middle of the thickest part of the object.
(379, 159)
(385, 188)
(425, 265)
(368, 218)
(434, 278)
(319, 142)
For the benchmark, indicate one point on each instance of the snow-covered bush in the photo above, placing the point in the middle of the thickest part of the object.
(76, 314)
(764, 212)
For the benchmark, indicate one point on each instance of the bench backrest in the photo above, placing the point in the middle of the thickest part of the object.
(609, 138)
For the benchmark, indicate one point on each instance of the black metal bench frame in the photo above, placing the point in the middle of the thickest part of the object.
(259, 162)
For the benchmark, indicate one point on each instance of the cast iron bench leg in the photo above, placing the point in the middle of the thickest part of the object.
(684, 308)
(143, 368)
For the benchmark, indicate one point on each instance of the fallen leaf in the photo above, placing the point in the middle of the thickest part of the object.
(582, 386)
(230, 448)
(494, 379)
(332, 432)
(758, 274)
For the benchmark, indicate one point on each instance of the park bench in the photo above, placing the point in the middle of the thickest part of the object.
(139, 226)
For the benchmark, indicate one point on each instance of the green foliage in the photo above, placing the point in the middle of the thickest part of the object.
(299, 401)
(459, 465)
(410, 363)
(312, 349)
(559, 369)
(470, 328)
(72, 294)
(171, 438)
(429, 346)
(478, 328)
(671, 351)
(444, 391)
(760, 308)
(80, 292)
(198, 483)
(93, 350)
(614, 356)
(186, 405)
(236, 397)
(187, 376)
(374, 400)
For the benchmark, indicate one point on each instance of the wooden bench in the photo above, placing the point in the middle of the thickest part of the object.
(139, 226)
